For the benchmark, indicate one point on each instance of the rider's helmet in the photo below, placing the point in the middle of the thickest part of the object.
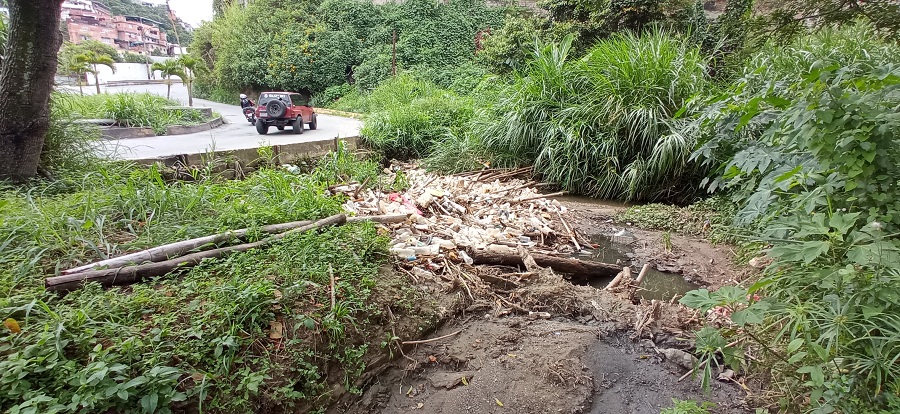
(243, 96)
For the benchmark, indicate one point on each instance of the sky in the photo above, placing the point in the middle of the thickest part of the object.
(191, 11)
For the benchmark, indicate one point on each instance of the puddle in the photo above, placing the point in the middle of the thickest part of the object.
(657, 285)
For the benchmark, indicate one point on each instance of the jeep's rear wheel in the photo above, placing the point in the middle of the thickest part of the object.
(280, 127)
(298, 125)
(314, 123)
(261, 127)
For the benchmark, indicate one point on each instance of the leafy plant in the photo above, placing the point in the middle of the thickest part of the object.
(605, 125)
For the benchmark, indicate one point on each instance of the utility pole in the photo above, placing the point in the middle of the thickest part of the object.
(171, 19)
(394, 53)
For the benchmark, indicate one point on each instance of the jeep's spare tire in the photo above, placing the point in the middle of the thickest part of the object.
(276, 109)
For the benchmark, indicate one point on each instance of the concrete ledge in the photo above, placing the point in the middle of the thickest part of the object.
(206, 112)
(282, 154)
(140, 82)
(190, 129)
(326, 111)
(125, 133)
(102, 122)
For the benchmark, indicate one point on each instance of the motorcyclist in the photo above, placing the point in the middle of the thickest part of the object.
(246, 102)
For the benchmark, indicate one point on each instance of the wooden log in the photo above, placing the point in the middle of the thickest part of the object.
(133, 274)
(559, 264)
(642, 274)
(167, 251)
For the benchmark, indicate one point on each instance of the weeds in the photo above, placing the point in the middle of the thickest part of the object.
(199, 341)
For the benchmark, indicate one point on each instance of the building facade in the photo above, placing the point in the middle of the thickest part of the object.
(92, 20)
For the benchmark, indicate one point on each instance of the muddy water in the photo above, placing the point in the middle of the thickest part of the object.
(657, 285)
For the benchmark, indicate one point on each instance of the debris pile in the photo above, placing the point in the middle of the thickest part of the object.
(468, 212)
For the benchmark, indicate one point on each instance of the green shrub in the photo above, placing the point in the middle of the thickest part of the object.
(412, 130)
(607, 125)
(330, 95)
(809, 153)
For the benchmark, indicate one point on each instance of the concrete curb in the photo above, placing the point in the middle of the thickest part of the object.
(127, 133)
(190, 129)
(326, 111)
(282, 154)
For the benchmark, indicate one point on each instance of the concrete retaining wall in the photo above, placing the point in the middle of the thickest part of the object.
(125, 133)
(282, 154)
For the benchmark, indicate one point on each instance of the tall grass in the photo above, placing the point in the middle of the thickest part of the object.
(128, 109)
(408, 117)
(400, 90)
(606, 125)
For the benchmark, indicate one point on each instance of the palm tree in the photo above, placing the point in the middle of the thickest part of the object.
(80, 69)
(95, 59)
(192, 67)
(168, 69)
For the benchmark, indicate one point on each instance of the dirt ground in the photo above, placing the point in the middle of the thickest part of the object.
(548, 346)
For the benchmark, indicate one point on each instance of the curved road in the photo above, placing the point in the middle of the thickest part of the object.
(237, 133)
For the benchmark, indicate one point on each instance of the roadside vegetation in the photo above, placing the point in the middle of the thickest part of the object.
(127, 109)
(232, 335)
(759, 128)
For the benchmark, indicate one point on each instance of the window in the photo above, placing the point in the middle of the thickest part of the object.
(298, 100)
(265, 98)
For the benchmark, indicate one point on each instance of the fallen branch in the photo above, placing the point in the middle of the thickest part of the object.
(621, 277)
(133, 274)
(642, 274)
(569, 231)
(539, 196)
(425, 341)
(559, 264)
(177, 249)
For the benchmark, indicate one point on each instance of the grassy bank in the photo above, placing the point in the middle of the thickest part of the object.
(128, 109)
(249, 332)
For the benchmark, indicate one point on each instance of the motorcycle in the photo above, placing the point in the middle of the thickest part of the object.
(250, 114)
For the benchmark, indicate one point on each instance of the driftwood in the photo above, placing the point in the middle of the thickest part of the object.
(559, 264)
(177, 249)
(642, 274)
(623, 276)
(133, 274)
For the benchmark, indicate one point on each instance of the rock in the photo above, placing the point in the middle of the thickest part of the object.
(759, 262)
(450, 380)
(679, 357)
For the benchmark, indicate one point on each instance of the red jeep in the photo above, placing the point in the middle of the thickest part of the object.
(283, 108)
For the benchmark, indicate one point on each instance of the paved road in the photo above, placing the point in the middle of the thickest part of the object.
(236, 134)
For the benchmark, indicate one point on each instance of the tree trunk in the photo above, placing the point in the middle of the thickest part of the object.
(26, 80)
(190, 84)
(97, 79)
(80, 88)
(169, 88)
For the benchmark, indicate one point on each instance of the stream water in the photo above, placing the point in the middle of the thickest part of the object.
(657, 285)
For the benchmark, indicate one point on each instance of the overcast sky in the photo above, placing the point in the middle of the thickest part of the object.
(191, 11)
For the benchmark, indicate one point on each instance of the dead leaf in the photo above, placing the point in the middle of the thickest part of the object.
(419, 406)
(276, 330)
(12, 325)
(277, 294)
(198, 376)
(498, 402)
(432, 358)
(464, 381)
